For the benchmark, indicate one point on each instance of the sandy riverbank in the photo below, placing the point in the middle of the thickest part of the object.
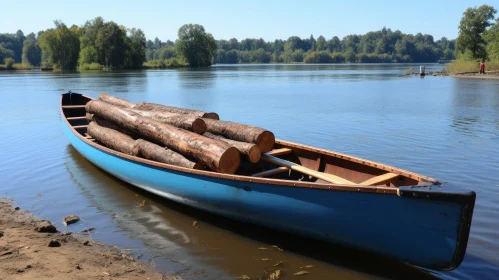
(25, 252)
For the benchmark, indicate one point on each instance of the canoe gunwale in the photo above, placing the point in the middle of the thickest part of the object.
(278, 182)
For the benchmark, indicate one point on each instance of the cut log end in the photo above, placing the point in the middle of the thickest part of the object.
(199, 126)
(199, 166)
(255, 154)
(265, 141)
(229, 161)
(213, 116)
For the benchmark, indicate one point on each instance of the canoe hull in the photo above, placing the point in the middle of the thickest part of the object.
(415, 229)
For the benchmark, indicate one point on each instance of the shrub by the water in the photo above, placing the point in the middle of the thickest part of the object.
(9, 63)
(92, 66)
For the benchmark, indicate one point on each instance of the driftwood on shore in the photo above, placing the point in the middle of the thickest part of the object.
(213, 154)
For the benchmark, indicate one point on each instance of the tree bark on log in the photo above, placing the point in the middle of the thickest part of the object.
(214, 155)
(188, 122)
(147, 106)
(264, 139)
(155, 152)
(113, 139)
(116, 101)
(108, 124)
(251, 151)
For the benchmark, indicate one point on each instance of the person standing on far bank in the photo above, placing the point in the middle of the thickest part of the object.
(482, 67)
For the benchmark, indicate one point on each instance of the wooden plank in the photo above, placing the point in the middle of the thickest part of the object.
(270, 172)
(76, 118)
(278, 152)
(80, 126)
(379, 179)
(296, 167)
(73, 106)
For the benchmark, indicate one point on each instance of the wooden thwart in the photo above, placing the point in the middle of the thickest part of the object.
(76, 118)
(278, 152)
(73, 106)
(296, 167)
(379, 179)
(80, 126)
(270, 172)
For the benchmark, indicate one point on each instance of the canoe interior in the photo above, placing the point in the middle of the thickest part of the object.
(353, 169)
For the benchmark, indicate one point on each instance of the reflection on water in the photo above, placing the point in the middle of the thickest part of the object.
(438, 126)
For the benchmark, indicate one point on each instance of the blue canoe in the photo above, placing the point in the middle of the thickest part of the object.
(385, 210)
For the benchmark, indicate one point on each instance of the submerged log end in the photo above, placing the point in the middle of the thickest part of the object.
(254, 154)
(229, 161)
(265, 141)
(213, 116)
(199, 126)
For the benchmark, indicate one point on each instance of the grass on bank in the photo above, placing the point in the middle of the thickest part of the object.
(464, 66)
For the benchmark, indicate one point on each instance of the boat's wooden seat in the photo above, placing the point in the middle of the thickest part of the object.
(296, 167)
(80, 126)
(379, 179)
(73, 106)
(278, 152)
(76, 118)
(270, 172)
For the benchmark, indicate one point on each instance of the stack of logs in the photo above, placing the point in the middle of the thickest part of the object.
(177, 136)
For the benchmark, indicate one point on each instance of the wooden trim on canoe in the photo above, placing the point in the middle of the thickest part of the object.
(385, 167)
(380, 179)
(270, 172)
(269, 181)
(278, 152)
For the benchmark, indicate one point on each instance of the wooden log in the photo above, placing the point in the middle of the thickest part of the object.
(113, 139)
(155, 152)
(188, 122)
(116, 101)
(108, 124)
(251, 151)
(147, 106)
(214, 155)
(264, 139)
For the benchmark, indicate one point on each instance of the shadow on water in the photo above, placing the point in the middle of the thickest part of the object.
(115, 192)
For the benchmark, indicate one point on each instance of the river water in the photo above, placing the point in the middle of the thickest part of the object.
(442, 127)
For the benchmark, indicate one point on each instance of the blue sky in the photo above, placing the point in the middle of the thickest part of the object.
(246, 19)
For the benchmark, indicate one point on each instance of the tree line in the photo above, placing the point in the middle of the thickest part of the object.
(100, 44)
(478, 37)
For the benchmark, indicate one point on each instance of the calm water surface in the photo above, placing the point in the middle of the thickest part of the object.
(442, 127)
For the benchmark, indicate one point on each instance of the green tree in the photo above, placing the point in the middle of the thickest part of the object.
(196, 45)
(32, 53)
(321, 43)
(62, 45)
(9, 63)
(492, 39)
(111, 45)
(6, 53)
(474, 23)
(136, 44)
